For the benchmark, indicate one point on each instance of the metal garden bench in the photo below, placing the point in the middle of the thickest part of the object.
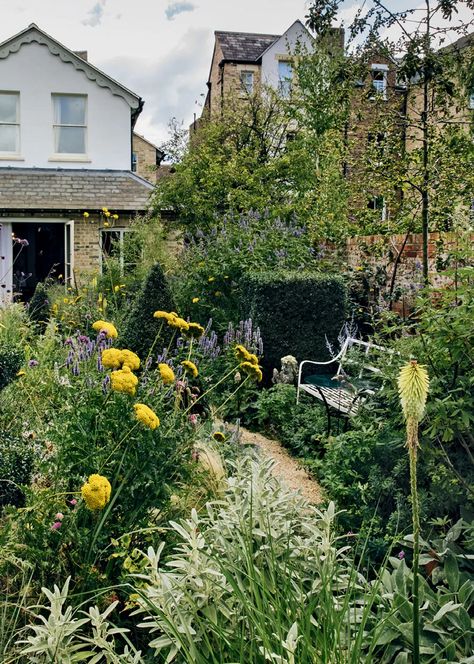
(344, 382)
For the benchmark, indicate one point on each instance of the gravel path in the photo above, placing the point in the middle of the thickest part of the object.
(286, 467)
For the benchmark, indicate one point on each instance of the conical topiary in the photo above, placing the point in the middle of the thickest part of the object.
(141, 328)
(39, 307)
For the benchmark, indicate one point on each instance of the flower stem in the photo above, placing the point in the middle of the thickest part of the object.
(412, 451)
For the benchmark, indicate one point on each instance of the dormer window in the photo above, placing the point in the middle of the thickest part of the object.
(246, 82)
(379, 79)
(69, 125)
(285, 78)
(9, 122)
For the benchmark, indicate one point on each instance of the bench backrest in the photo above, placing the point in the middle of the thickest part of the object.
(365, 349)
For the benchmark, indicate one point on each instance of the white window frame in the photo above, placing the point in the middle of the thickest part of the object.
(17, 124)
(380, 91)
(382, 209)
(244, 84)
(70, 156)
(134, 161)
(285, 84)
(121, 230)
(471, 100)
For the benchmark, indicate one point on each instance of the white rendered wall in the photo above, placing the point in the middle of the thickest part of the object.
(35, 73)
(296, 37)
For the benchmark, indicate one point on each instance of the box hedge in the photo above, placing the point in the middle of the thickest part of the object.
(296, 312)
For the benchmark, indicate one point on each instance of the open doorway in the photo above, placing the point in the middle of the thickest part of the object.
(42, 255)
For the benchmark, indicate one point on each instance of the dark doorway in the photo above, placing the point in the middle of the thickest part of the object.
(43, 256)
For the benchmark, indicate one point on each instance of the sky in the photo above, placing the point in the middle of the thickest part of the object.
(160, 49)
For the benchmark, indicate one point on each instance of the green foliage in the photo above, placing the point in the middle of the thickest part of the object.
(39, 306)
(141, 328)
(16, 466)
(213, 262)
(297, 312)
(11, 359)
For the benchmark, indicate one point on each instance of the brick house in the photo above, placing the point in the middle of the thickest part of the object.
(146, 158)
(65, 150)
(243, 61)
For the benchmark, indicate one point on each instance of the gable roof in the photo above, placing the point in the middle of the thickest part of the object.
(44, 189)
(244, 46)
(34, 34)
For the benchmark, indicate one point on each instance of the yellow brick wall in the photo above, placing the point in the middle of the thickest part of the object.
(146, 158)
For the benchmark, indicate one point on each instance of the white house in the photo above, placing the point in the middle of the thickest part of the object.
(65, 149)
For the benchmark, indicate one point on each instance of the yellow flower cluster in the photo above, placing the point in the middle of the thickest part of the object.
(167, 373)
(189, 329)
(113, 358)
(413, 386)
(190, 367)
(195, 330)
(109, 329)
(124, 381)
(146, 416)
(249, 362)
(96, 492)
(252, 370)
(219, 436)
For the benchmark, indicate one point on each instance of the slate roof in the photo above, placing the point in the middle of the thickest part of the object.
(72, 189)
(244, 46)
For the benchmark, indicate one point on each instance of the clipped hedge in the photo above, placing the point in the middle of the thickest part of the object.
(296, 313)
(141, 328)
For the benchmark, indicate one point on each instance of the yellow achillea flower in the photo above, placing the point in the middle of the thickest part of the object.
(242, 353)
(190, 367)
(124, 381)
(130, 359)
(21, 373)
(195, 330)
(146, 416)
(109, 329)
(85, 215)
(163, 314)
(167, 373)
(252, 370)
(196, 300)
(178, 323)
(96, 492)
(112, 358)
(219, 436)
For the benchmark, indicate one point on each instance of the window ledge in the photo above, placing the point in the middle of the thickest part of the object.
(70, 157)
(11, 157)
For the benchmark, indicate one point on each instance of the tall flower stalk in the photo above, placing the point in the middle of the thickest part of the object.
(413, 384)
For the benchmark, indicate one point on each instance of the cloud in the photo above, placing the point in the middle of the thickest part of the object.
(178, 7)
(170, 86)
(95, 14)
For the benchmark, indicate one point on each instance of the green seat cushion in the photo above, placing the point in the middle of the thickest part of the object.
(321, 380)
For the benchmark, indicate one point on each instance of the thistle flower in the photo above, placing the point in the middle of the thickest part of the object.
(96, 492)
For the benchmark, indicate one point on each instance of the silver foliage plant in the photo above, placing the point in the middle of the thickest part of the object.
(261, 533)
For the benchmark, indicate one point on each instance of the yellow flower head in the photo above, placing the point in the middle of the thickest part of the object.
(196, 300)
(109, 329)
(242, 353)
(146, 416)
(21, 373)
(85, 215)
(112, 358)
(115, 216)
(104, 210)
(124, 381)
(194, 330)
(190, 367)
(252, 370)
(96, 492)
(163, 314)
(253, 359)
(211, 279)
(130, 360)
(107, 214)
(413, 385)
(167, 373)
(219, 436)
(178, 323)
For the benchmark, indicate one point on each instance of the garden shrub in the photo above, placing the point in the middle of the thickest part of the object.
(140, 327)
(11, 359)
(297, 312)
(16, 465)
(39, 306)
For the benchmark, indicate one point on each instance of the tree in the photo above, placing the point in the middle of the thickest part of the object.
(435, 76)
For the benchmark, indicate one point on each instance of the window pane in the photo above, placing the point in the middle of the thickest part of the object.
(70, 140)
(8, 107)
(9, 138)
(69, 110)
(285, 70)
(246, 79)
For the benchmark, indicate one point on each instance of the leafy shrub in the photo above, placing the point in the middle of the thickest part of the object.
(16, 466)
(11, 359)
(38, 306)
(297, 312)
(140, 327)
